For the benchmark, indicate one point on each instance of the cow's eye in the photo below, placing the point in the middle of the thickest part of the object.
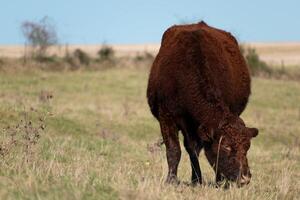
(227, 148)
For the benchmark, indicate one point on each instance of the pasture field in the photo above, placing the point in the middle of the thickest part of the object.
(100, 140)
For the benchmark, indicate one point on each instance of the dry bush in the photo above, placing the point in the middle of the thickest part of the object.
(145, 56)
(2, 61)
(256, 65)
(106, 53)
(260, 68)
(23, 135)
(71, 62)
(106, 57)
(82, 57)
(144, 59)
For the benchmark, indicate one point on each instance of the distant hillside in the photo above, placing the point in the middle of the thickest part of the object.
(272, 53)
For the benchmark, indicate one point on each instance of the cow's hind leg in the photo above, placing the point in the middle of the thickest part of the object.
(170, 136)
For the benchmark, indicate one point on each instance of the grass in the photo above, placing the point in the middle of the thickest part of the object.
(100, 140)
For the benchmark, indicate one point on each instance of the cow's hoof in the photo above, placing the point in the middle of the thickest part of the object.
(172, 180)
(195, 183)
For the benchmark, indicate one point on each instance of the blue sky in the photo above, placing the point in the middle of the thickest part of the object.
(137, 21)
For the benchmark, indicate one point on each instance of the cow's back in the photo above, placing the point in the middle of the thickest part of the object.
(195, 62)
(229, 69)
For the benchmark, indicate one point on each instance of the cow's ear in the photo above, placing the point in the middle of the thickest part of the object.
(253, 132)
(205, 134)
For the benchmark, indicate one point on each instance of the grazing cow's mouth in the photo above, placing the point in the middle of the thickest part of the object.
(240, 181)
(244, 180)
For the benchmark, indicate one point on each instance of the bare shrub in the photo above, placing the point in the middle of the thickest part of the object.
(40, 35)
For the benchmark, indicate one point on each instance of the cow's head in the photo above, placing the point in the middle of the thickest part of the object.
(226, 149)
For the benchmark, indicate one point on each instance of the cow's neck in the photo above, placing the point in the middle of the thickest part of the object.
(213, 115)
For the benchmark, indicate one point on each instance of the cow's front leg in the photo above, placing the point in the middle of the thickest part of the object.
(193, 150)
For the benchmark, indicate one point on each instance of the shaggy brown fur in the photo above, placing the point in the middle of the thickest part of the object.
(199, 83)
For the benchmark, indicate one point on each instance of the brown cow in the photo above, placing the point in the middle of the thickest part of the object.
(199, 84)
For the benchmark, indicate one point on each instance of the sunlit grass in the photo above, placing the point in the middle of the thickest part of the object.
(100, 140)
